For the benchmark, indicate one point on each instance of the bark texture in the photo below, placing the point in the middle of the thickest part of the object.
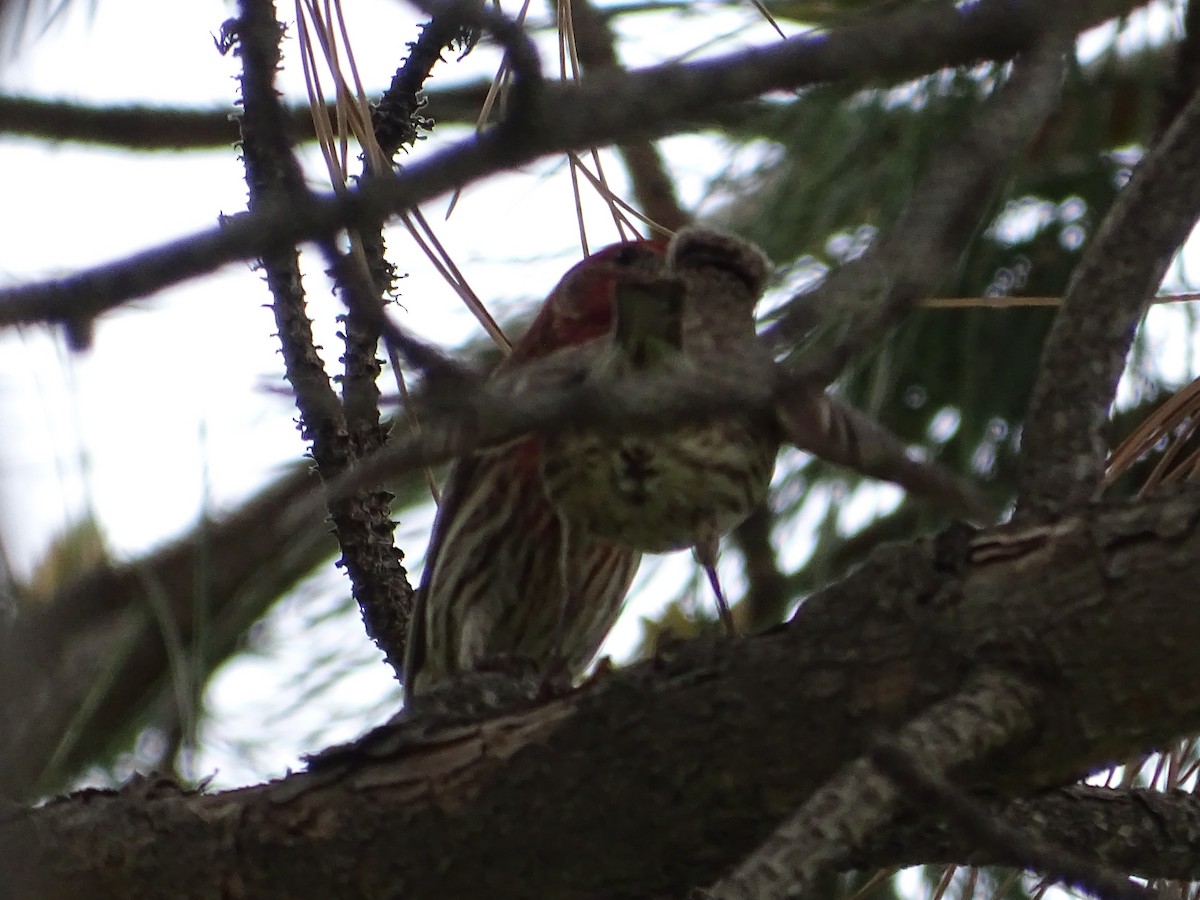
(653, 779)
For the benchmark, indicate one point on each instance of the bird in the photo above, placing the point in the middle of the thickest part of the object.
(681, 487)
(537, 541)
(491, 593)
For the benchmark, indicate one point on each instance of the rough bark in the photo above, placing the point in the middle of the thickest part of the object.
(662, 776)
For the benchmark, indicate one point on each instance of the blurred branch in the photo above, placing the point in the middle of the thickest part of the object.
(132, 127)
(1185, 75)
(862, 299)
(79, 669)
(606, 109)
(833, 562)
(1064, 440)
(767, 595)
(548, 395)
(149, 128)
(1111, 84)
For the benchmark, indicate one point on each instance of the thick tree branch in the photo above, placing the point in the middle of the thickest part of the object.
(990, 713)
(638, 785)
(600, 111)
(1064, 445)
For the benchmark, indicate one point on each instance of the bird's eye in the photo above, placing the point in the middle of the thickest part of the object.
(630, 254)
(639, 255)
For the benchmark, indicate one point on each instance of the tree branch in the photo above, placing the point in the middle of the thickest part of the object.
(395, 122)
(863, 299)
(932, 791)
(154, 128)
(990, 713)
(1064, 444)
(1145, 832)
(638, 785)
(362, 520)
(603, 110)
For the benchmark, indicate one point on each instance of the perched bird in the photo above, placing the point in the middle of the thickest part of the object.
(688, 487)
(492, 588)
(536, 542)
(683, 487)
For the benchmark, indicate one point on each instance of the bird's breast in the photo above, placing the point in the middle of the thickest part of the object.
(655, 493)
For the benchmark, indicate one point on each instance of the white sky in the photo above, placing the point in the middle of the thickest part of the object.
(174, 409)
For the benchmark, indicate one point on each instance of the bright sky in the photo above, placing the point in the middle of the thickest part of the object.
(177, 407)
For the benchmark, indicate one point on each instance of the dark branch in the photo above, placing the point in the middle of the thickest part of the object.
(362, 520)
(1064, 441)
(1185, 76)
(603, 110)
(932, 792)
(767, 592)
(152, 128)
(1149, 833)
(990, 713)
(395, 122)
(397, 118)
(654, 756)
(520, 55)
